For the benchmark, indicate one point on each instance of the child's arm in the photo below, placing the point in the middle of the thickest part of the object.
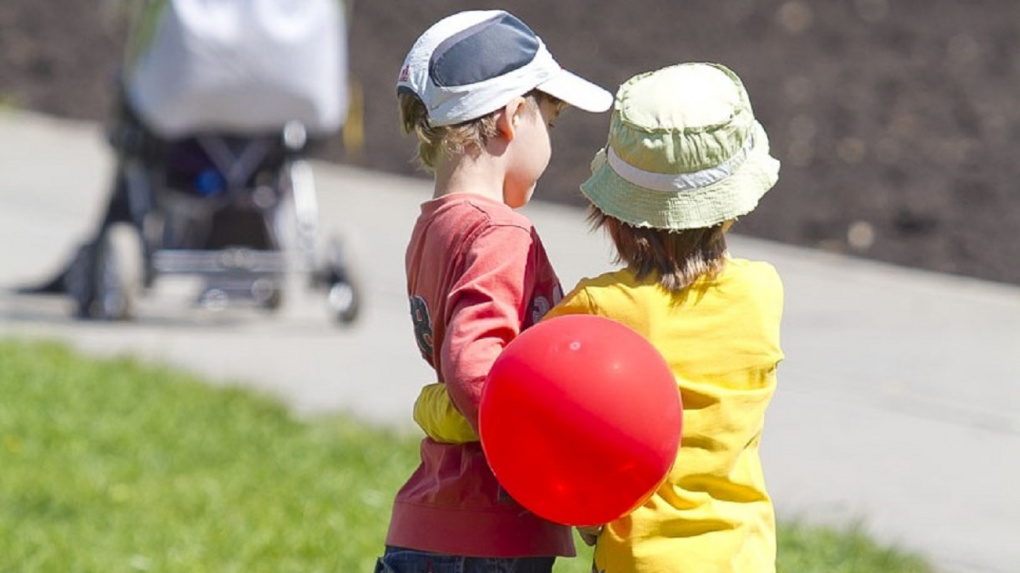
(436, 415)
(440, 419)
(485, 309)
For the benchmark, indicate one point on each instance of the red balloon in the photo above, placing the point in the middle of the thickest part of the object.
(580, 419)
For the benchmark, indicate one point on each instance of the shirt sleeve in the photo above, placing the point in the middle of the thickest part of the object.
(436, 415)
(577, 301)
(434, 411)
(485, 310)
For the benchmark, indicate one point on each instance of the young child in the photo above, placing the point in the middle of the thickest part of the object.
(685, 158)
(480, 91)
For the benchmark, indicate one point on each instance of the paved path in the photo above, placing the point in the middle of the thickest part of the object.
(899, 401)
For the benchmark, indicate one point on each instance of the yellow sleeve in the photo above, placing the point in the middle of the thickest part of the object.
(577, 301)
(436, 415)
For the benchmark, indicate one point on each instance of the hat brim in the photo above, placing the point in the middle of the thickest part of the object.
(704, 207)
(577, 92)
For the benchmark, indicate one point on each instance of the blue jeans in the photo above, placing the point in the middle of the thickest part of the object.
(400, 560)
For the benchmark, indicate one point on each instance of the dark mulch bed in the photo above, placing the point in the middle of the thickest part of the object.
(895, 121)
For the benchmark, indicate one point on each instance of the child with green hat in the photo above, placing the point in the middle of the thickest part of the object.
(685, 158)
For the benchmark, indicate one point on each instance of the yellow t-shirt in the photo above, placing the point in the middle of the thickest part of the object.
(721, 339)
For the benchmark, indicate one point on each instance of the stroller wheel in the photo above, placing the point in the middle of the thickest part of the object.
(343, 301)
(79, 283)
(267, 294)
(344, 297)
(108, 277)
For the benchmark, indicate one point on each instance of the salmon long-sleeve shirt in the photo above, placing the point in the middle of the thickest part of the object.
(477, 274)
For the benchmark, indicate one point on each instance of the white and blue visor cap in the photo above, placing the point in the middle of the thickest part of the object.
(472, 63)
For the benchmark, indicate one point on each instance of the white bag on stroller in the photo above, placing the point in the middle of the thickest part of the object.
(218, 98)
(238, 66)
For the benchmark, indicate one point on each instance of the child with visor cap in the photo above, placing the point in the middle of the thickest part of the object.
(479, 90)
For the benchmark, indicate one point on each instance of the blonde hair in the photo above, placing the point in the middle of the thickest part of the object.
(467, 137)
(677, 258)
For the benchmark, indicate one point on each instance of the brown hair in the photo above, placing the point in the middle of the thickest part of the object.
(677, 258)
(467, 137)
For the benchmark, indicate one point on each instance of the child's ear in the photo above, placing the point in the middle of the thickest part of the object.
(506, 122)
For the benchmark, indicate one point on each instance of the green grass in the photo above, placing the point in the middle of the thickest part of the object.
(806, 549)
(117, 466)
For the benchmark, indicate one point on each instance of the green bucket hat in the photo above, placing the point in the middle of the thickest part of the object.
(684, 151)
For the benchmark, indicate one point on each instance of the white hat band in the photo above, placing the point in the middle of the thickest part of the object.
(671, 183)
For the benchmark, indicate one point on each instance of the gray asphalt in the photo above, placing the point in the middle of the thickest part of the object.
(899, 401)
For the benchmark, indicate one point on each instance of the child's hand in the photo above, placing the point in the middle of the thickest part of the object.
(590, 533)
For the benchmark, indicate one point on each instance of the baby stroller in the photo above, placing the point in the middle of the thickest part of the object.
(219, 105)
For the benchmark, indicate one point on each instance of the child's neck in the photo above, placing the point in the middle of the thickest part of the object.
(482, 175)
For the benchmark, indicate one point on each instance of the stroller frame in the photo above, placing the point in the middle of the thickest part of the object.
(221, 221)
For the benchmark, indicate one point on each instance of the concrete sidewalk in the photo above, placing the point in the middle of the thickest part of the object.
(899, 400)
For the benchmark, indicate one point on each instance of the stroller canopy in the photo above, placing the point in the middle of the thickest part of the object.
(238, 66)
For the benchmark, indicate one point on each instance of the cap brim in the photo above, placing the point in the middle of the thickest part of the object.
(577, 92)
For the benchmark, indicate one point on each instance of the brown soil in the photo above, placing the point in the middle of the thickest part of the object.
(895, 121)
